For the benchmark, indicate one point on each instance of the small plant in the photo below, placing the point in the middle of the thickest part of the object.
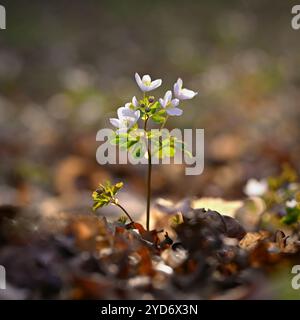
(284, 193)
(281, 196)
(136, 140)
(292, 212)
(106, 194)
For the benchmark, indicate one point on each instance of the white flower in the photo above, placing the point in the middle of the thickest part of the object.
(134, 102)
(126, 118)
(146, 84)
(170, 105)
(182, 93)
(291, 203)
(255, 188)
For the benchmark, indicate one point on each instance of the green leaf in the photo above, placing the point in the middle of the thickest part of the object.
(180, 145)
(166, 151)
(124, 140)
(292, 216)
(138, 150)
(122, 219)
(105, 194)
(162, 112)
(96, 205)
(134, 127)
(131, 143)
(154, 107)
(114, 139)
(116, 187)
(117, 139)
(158, 118)
(154, 135)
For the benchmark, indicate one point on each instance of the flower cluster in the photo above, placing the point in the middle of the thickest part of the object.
(141, 142)
(280, 195)
(147, 107)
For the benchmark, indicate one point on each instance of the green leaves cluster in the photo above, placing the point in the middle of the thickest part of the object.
(105, 194)
(136, 141)
(150, 108)
(284, 194)
(163, 145)
(292, 215)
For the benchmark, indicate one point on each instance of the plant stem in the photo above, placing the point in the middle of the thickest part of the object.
(149, 188)
(148, 180)
(123, 209)
(163, 124)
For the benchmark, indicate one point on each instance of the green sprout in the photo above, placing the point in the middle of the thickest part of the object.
(106, 194)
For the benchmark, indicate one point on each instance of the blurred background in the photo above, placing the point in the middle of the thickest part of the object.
(66, 66)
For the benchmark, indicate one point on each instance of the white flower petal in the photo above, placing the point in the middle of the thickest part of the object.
(135, 102)
(129, 122)
(291, 203)
(137, 114)
(175, 102)
(168, 96)
(174, 112)
(162, 102)
(122, 130)
(146, 78)
(120, 112)
(176, 90)
(138, 80)
(124, 113)
(177, 87)
(255, 188)
(179, 83)
(115, 122)
(183, 93)
(155, 84)
(146, 88)
(186, 94)
(129, 113)
(132, 122)
(127, 105)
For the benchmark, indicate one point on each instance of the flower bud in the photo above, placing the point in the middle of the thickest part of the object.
(147, 109)
(100, 190)
(151, 99)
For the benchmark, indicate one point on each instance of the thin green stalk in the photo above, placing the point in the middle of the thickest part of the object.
(163, 124)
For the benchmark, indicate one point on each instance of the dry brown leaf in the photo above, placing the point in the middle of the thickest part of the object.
(251, 239)
(225, 207)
